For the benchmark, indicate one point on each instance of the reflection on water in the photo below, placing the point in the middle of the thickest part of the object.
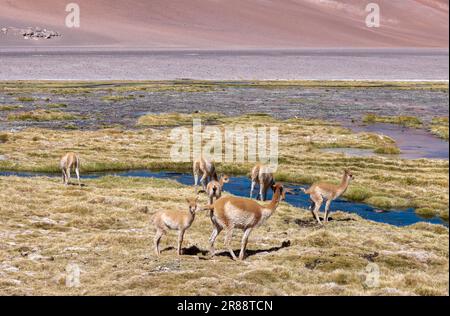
(413, 143)
(240, 186)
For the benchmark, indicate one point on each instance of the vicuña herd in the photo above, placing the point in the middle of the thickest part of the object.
(228, 212)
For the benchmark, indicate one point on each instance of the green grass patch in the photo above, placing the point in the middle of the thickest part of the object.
(42, 116)
(426, 212)
(26, 99)
(357, 193)
(388, 202)
(4, 138)
(175, 119)
(9, 107)
(410, 121)
(439, 127)
(56, 105)
(118, 98)
(387, 150)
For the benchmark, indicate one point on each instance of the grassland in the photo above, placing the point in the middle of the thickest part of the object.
(175, 119)
(380, 181)
(439, 127)
(104, 228)
(70, 87)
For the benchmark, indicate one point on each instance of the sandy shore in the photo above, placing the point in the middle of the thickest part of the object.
(321, 64)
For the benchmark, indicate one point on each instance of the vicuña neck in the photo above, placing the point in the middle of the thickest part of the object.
(344, 184)
(275, 201)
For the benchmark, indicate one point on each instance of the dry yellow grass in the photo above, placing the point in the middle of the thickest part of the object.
(104, 229)
(410, 121)
(383, 182)
(41, 115)
(439, 127)
(174, 119)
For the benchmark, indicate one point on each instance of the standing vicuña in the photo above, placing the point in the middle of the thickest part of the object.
(215, 188)
(262, 175)
(233, 212)
(68, 162)
(207, 169)
(174, 220)
(326, 191)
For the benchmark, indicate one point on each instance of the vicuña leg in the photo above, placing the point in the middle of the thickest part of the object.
(327, 210)
(252, 188)
(180, 242)
(318, 203)
(77, 171)
(244, 243)
(216, 231)
(159, 234)
(228, 237)
(64, 176)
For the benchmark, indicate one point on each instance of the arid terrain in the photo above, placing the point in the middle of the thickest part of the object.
(231, 24)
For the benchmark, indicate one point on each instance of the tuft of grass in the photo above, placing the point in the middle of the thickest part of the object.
(387, 202)
(439, 127)
(70, 127)
(426, 212)
(9, 107)
(175, 119)
(41, 116)
(4, 138)
(387, 150)
(358, 193)
(56, 105)
(117, 98)
(26, 99)
(410, 121)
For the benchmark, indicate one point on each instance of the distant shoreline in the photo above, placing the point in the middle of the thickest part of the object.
(88, 63)
(237, 50)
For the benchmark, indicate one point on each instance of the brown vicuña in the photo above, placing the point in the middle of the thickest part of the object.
(321, 191)
(68, 162)
(207, 169)
(262, 175)
(174, 220)
(231, 212)
(215, 188)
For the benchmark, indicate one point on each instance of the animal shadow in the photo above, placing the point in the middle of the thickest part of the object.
(313, 223)
(76, 184)
(191, 251)
(249, 252)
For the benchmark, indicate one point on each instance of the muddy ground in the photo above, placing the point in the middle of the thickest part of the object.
(336, 104)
